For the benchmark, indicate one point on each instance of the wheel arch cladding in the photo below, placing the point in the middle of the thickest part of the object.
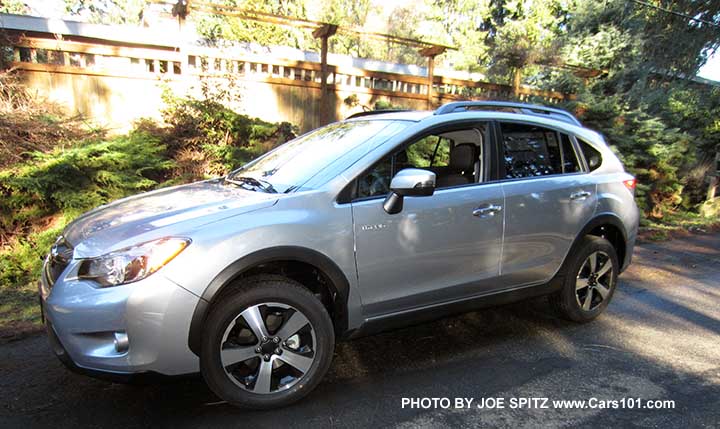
(608, 226)
(312, 269)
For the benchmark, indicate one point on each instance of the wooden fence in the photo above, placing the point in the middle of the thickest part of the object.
(116, 83)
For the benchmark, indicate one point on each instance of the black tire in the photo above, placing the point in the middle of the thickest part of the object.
(254, 294)
(569, 301)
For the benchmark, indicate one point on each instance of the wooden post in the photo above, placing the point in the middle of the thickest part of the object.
(431, 52)
(324, 32)
(430, 75)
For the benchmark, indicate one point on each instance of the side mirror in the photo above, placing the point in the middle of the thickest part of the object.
(410, 182)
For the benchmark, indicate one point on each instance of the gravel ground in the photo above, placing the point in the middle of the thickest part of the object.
(659, 340)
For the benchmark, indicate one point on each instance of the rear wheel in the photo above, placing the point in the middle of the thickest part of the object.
(267, 345)
(589, 282)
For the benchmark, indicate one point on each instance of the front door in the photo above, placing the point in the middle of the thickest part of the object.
(439, 248)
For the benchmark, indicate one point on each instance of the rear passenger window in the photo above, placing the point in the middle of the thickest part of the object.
(592, 156)
(532, 151)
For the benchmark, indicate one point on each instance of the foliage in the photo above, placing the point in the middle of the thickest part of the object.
(663, 42)
(459, 23)
(107, 11)
(19, 270)
(207, 138)
(13, 6)
(663, 125)
(431, 151)
(524, 33)
(29, 123)
(78, 178)
(387, 105)
(218, 28)
(399, 20)
(651, 150)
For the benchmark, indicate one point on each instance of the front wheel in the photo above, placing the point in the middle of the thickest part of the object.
(589, 282)
(266, 345)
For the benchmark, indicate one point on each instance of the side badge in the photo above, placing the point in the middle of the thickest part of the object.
(374, 227)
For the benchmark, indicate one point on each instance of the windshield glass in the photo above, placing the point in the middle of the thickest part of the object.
(295, 162)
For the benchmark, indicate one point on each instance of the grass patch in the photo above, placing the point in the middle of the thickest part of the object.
(677, 224)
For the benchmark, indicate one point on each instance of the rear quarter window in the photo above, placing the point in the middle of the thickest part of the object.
(592, 156)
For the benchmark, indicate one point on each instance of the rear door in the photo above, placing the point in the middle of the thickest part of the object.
(549, 198)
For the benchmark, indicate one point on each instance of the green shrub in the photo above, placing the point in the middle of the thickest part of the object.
(22, 265)
(81, 177)
(207, 138)
(40, 196)
(654, 152)
(387, 105)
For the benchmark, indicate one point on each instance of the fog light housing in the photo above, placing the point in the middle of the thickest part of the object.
(122, 342)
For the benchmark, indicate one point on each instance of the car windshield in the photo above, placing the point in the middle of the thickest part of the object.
(294, 163)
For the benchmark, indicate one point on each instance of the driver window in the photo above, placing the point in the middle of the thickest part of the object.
(431, 151)
(453, 156)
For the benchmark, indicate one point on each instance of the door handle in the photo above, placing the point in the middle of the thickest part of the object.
(580, 195)
(486, 211)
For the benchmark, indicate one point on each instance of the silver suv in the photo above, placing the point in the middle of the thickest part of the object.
(381, 220)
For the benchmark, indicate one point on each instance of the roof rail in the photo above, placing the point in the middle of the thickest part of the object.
(528, 109)
(375, 112)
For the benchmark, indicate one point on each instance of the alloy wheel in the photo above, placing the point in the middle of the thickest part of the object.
(268, 347)
(594, 281)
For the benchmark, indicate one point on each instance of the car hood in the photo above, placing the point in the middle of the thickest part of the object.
(158, 214)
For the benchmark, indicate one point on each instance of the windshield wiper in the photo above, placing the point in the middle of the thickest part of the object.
(263, 185)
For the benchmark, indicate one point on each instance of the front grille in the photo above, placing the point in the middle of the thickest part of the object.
(60, 256)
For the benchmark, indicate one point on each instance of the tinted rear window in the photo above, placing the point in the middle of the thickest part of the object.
(531, 150)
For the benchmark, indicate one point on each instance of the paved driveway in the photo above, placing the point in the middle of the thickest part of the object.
(660, 340)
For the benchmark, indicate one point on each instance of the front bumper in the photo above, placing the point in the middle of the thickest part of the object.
(83, 322)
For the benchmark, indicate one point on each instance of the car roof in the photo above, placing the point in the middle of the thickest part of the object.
(482, 105)
(430, 116)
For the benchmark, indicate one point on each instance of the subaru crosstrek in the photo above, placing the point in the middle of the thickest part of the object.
(380, 220)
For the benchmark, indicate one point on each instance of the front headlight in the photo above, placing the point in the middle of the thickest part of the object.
(133, 263)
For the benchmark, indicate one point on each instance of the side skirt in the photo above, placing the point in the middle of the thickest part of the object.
(420, 315)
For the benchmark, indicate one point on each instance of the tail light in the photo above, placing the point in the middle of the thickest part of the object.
(630, 184)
